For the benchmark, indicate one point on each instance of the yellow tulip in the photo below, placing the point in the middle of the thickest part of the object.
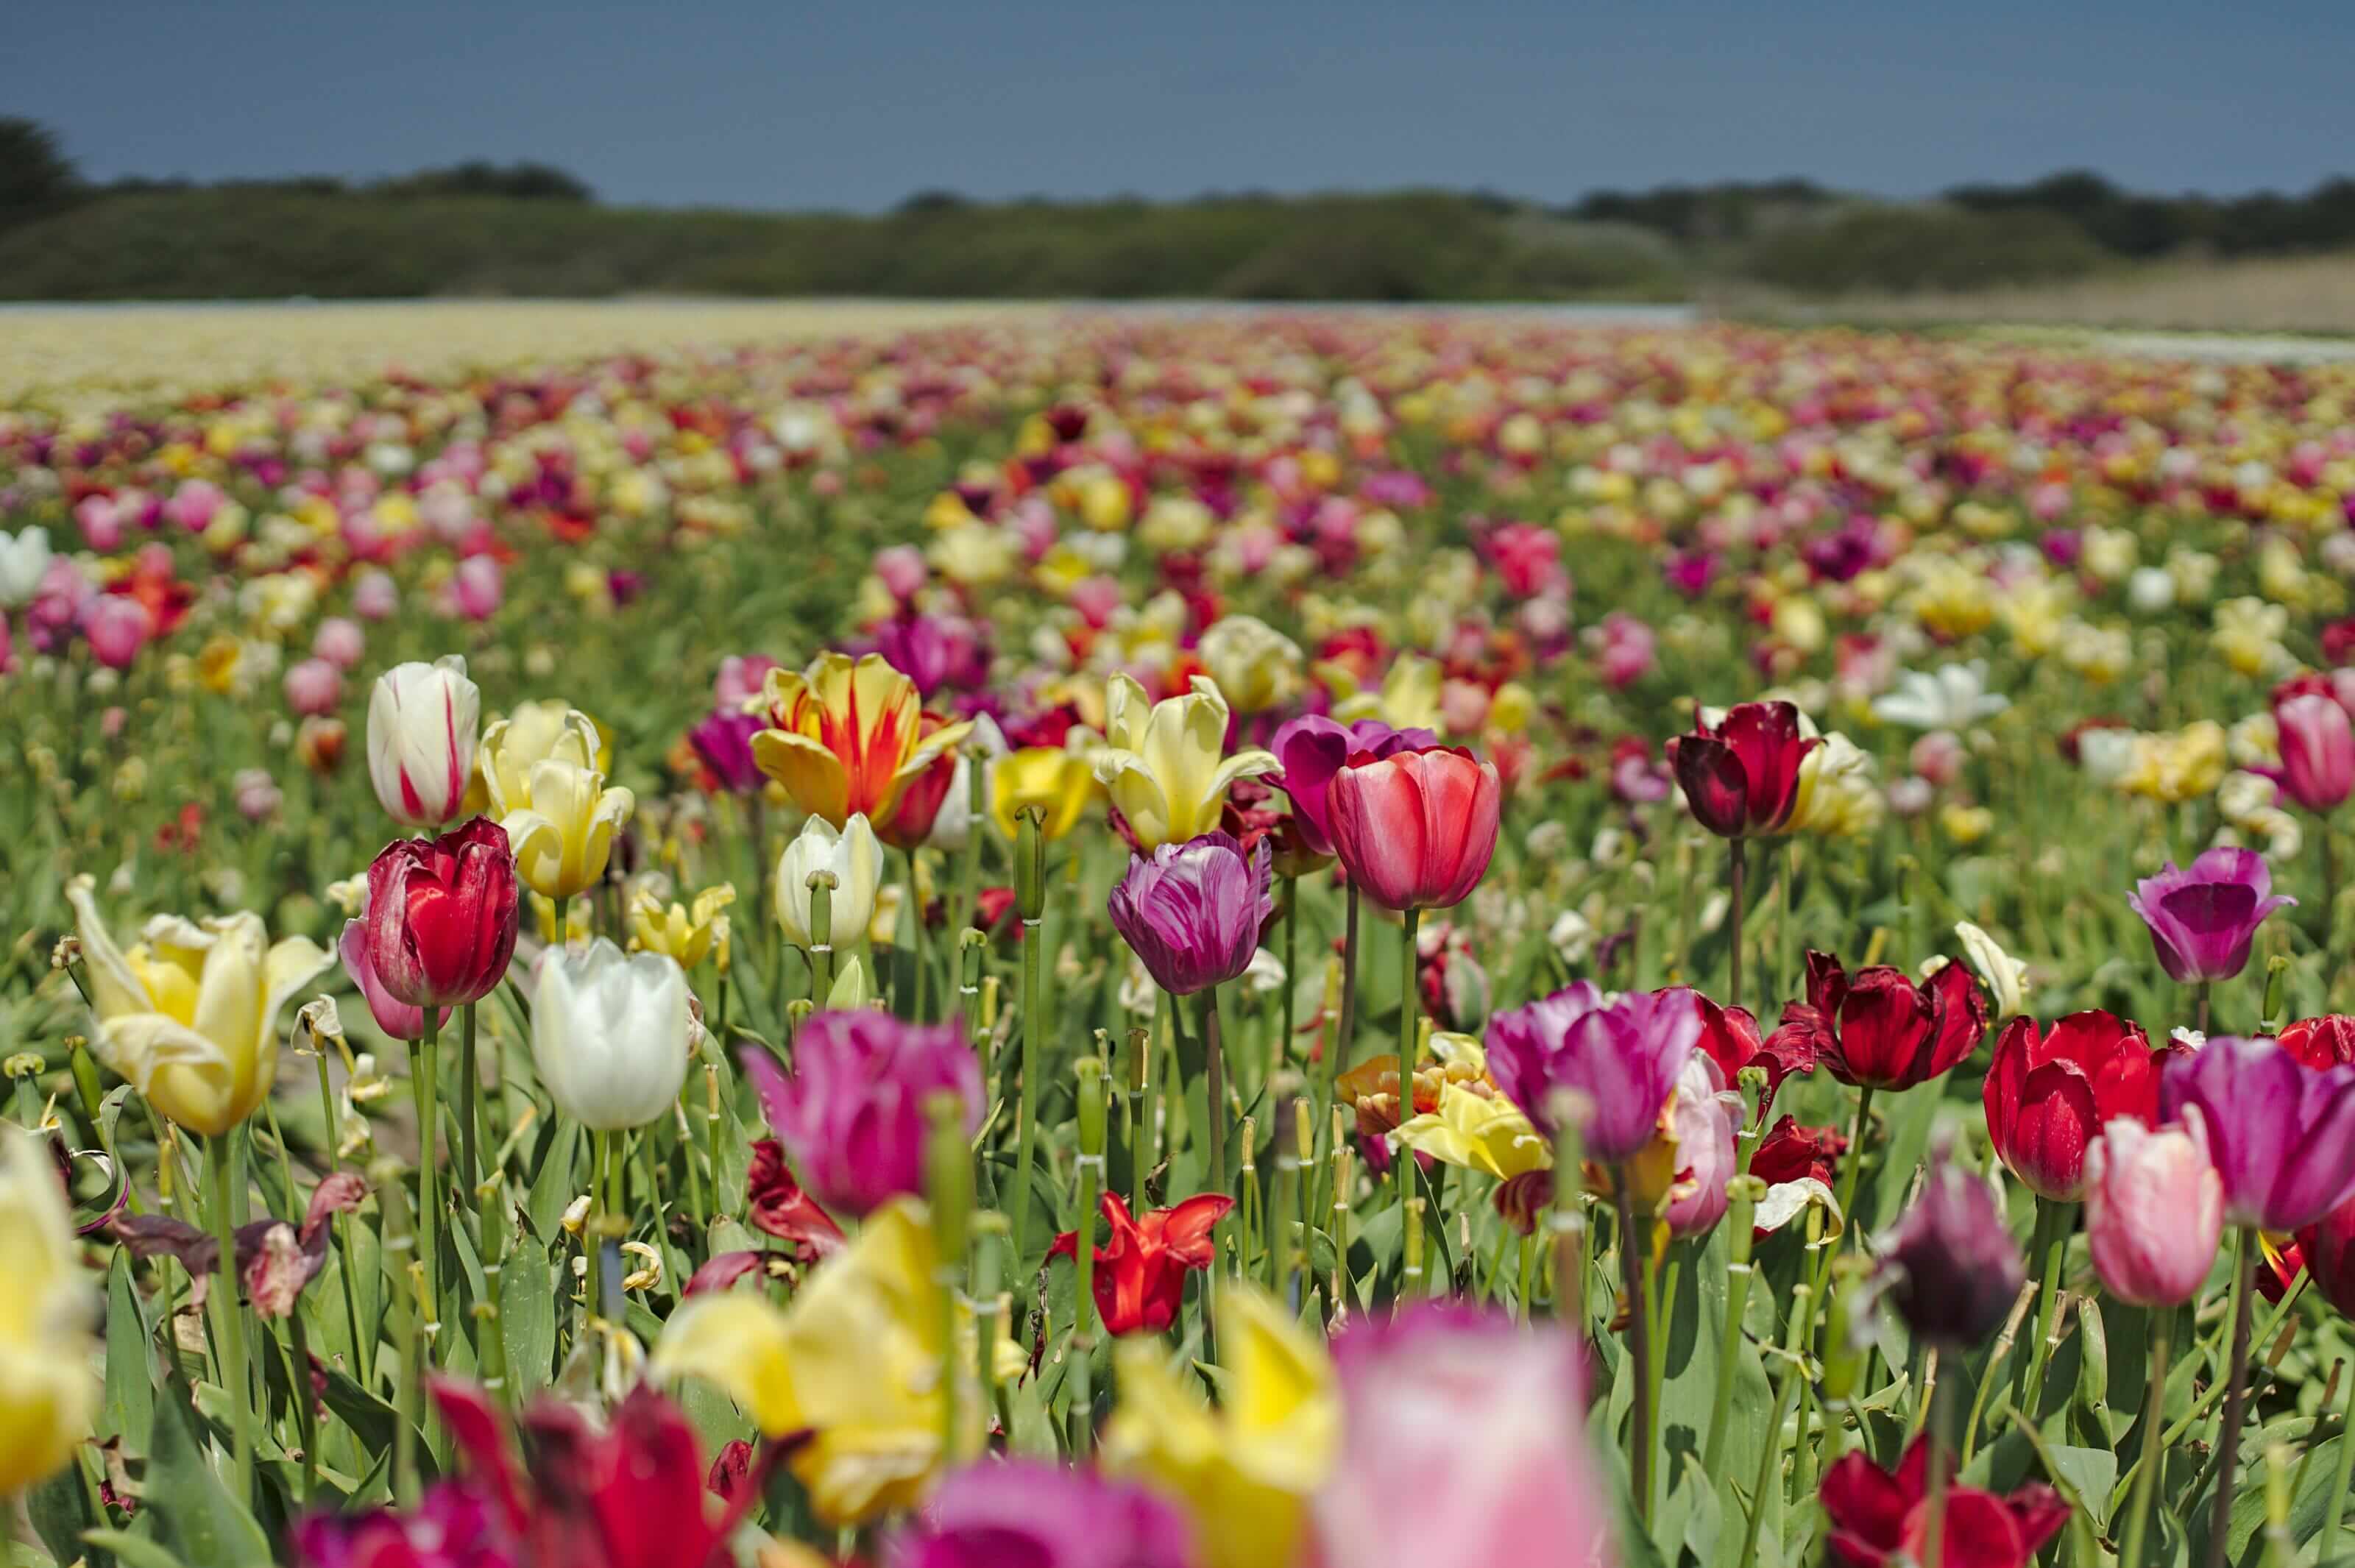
(551, 798)
(1479, 1132)
(1161, 761)
(686, 936)
(856, 1358)
(190, 1015)
(1837, 797)
(845, 738)
(1058, 781)
(1409, 697)
(1255, 666)
(47, 1394)
(1247, 1470)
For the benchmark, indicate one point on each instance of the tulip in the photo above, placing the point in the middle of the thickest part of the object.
(1625, 1058)
(1878, 1030)
(724, 742)
(1162, 764)
(477, 587)
(1740, 777)
(548, 789)
(1478, 1419)
(1312, 749)
(1951, 697)
(2049, 1095)
(1704, 1117)
(852, 1114)
(1415, 830)
(47, 1397)
(190, 1015)
(856, 861)
(420, 739)
(340, 641)
(610, 1034)
(315, 686)
(118, 626)
(397, 1019)
(1951, 1265)
(1878, 1518)
(910, 826)
(1254, 665)
(684, 936)
(1041, 1515)
(1247, 1472)
(845, 739)
(1140, 1279)
(453, 1525)
(2202, 920)
(375, 596)
(2282, 1134)
(854, 1362)
(1058, 781)
(443, 915)
(23, 561)
(2317, 751)
(1483, 1132)
(739, 679)
(2153, 1210)
(2328, 1247)
(1194, 911)
(1730, 1038)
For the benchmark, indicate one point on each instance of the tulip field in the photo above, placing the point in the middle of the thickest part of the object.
(1073, 940)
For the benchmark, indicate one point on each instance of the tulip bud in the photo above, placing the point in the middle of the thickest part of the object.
(422, 721)
(1952, 1268)
(2153, 1210)
(852, 856)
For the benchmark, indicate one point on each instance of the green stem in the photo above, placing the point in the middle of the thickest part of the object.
(470, 1170)
(1852, 1165)
(2228, 1451)
(1402, 1159)
(1214, 1092)
(1933, 1531)
(2327, 1544)
(1744, 1192)
(423, 1057)
(1633, 1269)
(1034, 993)
(399, 1242)
(1770, 1453)
(2054, 1219)
(1339, 1058)
(2154, 1442)
(1737, 874)
(222, 1166)
(1083, 1255)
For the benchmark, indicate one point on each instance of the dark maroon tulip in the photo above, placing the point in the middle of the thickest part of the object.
(1741, 778)
(441, 915)
(1951, 1265)
(1877, 1518)
(1877, 1028)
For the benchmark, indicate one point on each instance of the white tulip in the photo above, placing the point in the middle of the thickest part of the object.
(23, 561)
(608, 1034)
(854, 857)
(954, 822)
(1954, 697)
(423, 719)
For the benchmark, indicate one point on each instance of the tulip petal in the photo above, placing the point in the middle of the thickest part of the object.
(810, 772)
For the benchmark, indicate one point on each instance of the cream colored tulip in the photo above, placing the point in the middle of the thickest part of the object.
(855, 856)
(610, 1034)
(190, 1015)
(47, 1394)
(550, 796)
(1255, 666)
(1162, 762)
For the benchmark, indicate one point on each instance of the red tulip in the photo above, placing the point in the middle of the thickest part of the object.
(2049, 1094)
(921, 798)
(1879, 1030)
(2321, 1043)
(1741, 778)
(1140, 1279)
(1875, 1515)
(1415, 829)
(441, 915)
(1729, 1037)
(2327, 1248)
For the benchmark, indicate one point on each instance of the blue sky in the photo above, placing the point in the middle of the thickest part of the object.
(788, 105)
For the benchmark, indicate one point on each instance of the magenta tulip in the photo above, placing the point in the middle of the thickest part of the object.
(1624, 1059)
(2203, 918)
(852, 1115)
(2282, 1134)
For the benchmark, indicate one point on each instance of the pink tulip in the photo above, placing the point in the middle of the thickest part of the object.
(1938, 757)
(2317, 751)
(1704, 1117)
(256, 794)
(315, 686)
(1480, 1422)
(741, 677)
(118, 626)
(101, 522)
(903, 569)
(374, 597)
(478, 587)
(397, 1019)
(193, 505)
(340, 641)
(2153, 1210)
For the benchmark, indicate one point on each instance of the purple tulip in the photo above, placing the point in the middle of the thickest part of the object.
(2202, 920)
(1194, 911)
(1951, 1264)
(1040, 1514)
(2282, 1134)
(724, 742)
(852, 1115)
(1313, 748)
(1624, 1058)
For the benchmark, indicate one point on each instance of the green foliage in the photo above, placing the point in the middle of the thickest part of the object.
(1904, 248)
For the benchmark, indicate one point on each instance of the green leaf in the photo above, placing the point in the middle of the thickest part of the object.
(556, 1185)
(195, 1517)
(1705, 1527)
(60, 1510)
(129, 1369)
(372, 1421)
(131, 1551)
(2090, 1473)
(527, 1317)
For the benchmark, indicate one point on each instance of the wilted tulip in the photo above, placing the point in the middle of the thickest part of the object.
(2204, 919)
(1193, 912)
(1479, 1420)
(420, 739)
(856, 861)
(441, 915)
(1741, 778)
(2282, 1134)
(1163, 761)
(190, 1015)
(1415, 830)
(1950, 1264)
(2153, 1210)
(1625, 1058)
(610, 1034)
(47, 1397)
(2049, 1094)
(852, 1114)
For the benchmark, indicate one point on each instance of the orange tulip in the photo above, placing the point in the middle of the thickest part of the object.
(845, 739)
